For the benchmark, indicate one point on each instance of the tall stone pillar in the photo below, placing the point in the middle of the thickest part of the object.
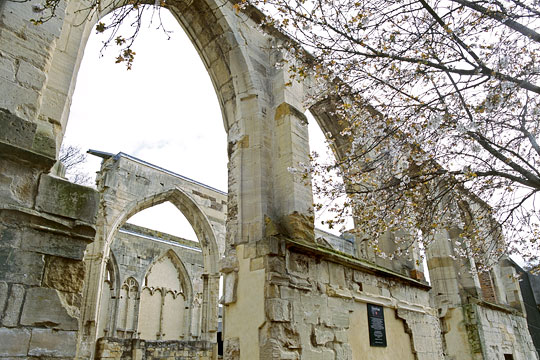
(455, 283)
(45, 221)
(293, 198)
(45, 225)
(268, 204)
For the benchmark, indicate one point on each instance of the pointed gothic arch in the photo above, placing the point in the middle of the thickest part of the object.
(172, 318)
(204, 316)
(218, 46)
(189, 208)
(183, 275)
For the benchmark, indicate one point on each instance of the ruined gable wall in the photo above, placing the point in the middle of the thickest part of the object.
(136, 251)
(129, 185)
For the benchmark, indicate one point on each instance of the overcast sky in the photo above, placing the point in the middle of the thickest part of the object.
(163, 111)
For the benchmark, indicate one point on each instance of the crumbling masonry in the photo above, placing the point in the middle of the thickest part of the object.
(286, 295)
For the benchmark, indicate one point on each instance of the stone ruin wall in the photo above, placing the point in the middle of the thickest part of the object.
(315, 306)
(136, 251)
(500, 330)
(41, 268)
(116, 349)
(273, 270)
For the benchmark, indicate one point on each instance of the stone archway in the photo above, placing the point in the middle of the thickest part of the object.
(188, 207)
(121, 198)
(218, 46)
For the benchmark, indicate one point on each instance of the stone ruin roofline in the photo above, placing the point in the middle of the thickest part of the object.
(160, 236)
(107, 155)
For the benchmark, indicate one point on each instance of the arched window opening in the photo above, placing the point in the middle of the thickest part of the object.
(162, 308)
(165, 114)
(333, 226)
(341, 187)
(160, 111)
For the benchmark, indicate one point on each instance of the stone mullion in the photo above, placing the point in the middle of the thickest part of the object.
(161, 314)
(213, 298)
(187, 317)
(205, 308)
(112, 310)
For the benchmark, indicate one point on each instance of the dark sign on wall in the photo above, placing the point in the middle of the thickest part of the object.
(377, 331)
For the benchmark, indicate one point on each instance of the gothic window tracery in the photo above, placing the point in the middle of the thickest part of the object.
(128, 304)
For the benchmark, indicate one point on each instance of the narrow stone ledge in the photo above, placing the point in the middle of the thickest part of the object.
(312, 249)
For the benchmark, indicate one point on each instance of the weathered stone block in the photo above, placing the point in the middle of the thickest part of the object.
(13, 308)
(232, 349)
(18, 266)
(14, 342)
(60, 197)
(30, 76)
(298, 263)
(230, 281)
(343, 351)
(358, 276)
(338, 292)
(340, 336)
(322, 335)
(307, 314)
(16, 17)
(288, 355)
(300, 226)
(371, 289)
(7, 68)
(9, 237)
(16, 131)
(323, 274)
(53, 244)
(53, 343)
(339, 313)
(337, 275)
(278, 310)
(64, 274)
(43, 306)
(229, 263)
(3, 296)
(328, 354)
(256, 264)
(276, 264)
(300, 283)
